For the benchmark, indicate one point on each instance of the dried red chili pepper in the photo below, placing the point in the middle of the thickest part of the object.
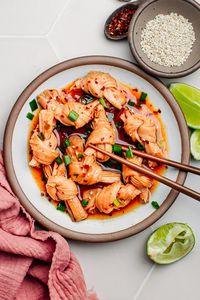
(120, 22)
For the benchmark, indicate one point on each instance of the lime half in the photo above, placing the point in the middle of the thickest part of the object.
(195, 144)
(188, 98)
(170, 243)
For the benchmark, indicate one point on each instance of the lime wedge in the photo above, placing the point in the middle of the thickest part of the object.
(170, 243)
(188, 98)
(195, 144)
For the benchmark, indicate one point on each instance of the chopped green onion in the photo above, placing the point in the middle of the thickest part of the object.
(61, 206)
(106, 164)
(143, 97)
(129, 152)
(155, 204)
(84, 203)
(66, 143)
(61, 149)
(41, 136)
(110, 116)
(29, 116)
(83, 136)
(73, 116)
(33, 105)
(113, 161)
(67, 160)
(140, 147)
(116, 202)
(85, 99)
(117, 149)
(109, 163)
(80, 155)
(88, 130)
(113, 164)
(119, 124)
(131, 102)
(58, 160)
(103, 102)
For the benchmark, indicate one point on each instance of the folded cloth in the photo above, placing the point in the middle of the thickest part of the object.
(34, 264)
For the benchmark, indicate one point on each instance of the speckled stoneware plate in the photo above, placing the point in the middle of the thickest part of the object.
(24, 185)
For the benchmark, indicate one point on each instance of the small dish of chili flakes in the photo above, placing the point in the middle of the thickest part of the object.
(117, 24)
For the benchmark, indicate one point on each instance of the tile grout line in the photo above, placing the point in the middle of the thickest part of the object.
(34, 37)
(58, 17)
(11, 36)
(18, 36)
(53, 48)
(144, 282)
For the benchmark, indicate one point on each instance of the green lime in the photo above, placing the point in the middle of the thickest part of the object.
(195, 144)
(188, 98)
(170, 243)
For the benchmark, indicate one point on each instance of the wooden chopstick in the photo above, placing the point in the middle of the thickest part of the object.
(185, 190)
(165, 161)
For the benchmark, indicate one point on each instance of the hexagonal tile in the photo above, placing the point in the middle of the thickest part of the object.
(21, 61)
(79, 31)
(176, 281)
(115, 270)
(29, 17)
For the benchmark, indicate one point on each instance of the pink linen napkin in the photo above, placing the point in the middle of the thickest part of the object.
(34, 264)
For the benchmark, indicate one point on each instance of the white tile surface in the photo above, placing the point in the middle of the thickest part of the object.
(21, 60)
(34, 35)
(118, 267)
(79, 31)
(176, 281)
(185, 209)
(26, 17)
(192, 79)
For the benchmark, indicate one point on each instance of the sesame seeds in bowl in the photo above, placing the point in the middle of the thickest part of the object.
(164, 37)
(167, 40)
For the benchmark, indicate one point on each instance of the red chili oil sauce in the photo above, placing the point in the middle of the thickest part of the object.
(62, 132)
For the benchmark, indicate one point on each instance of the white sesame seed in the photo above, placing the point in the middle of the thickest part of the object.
(167, 39)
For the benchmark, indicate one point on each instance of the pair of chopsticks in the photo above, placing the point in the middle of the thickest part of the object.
(185, 190)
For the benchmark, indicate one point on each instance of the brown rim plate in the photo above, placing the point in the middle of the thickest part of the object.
(69, 65)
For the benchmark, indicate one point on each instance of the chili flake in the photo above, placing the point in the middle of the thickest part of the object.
(120, 22)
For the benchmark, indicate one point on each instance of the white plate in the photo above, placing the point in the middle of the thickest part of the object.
(24, 185)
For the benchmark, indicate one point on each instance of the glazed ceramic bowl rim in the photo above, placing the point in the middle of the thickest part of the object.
(8, 136)
(134, 51)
